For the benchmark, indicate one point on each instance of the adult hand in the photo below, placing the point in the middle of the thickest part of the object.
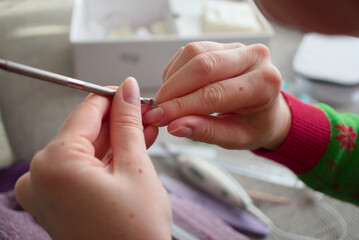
(238, 83)
(76, 190)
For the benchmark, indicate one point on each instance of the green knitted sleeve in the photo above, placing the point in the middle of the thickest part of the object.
(337, 172)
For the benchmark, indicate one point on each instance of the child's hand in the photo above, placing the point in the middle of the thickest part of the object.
(75, 195)
(236, 81)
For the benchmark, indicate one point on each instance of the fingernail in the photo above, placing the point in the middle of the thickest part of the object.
(154, 116)
(182, 132)
(131, 91)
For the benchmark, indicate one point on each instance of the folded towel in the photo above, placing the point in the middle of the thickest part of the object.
(17, 224)
(200, 223)
(239, 219)
(9, 175)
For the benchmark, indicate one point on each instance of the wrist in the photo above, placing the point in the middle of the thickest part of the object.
(282, 124)
(307, 140)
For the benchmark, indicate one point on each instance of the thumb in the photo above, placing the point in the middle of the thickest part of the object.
(126, 130)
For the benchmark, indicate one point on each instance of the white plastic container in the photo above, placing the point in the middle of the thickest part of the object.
(111, 39)
(327, 68)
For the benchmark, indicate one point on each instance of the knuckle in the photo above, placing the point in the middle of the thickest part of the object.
(272, 76)
(207, 135)
(276, 77)
(80, 144)
(260, 50)
(162, 93)
(204, 65)
(90, 104)
(213, 95)
(42, 171)
(193, 49)
(178, 105)
(239, 45)
(164, 76)
(36, 161)
(128, 121)
(270, 83)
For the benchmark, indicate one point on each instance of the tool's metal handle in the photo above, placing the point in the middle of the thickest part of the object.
(65, 81)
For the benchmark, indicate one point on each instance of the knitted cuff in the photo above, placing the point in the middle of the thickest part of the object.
(307, 139)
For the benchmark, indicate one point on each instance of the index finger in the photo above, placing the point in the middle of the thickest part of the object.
(86, 119)
(206, 68)
(225, 96)
(190, 51)
(246, 94)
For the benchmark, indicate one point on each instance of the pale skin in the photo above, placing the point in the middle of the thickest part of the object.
(75, 194)
(236, 81)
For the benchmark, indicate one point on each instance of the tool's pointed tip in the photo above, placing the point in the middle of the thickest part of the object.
(153, 103)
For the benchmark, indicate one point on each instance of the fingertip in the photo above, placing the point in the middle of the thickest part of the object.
(127, 100)
(131, 91)
(150, 134)
(154, 117)
(145, 108)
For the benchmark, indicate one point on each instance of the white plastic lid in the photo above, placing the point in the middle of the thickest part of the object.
(327, 58)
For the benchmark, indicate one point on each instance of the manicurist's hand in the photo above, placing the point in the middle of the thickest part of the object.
(225, 94)
(78, 189)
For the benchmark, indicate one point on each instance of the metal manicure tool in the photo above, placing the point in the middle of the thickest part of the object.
(66, 81)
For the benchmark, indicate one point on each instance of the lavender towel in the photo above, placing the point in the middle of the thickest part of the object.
(9, 175)
(236, 218)
(15, 223)
(200, 223)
